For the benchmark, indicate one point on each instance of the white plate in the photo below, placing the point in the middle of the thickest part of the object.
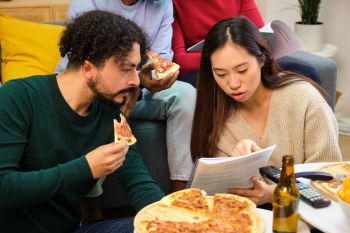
(267, 216)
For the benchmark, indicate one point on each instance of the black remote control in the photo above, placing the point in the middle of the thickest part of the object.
(307, 194)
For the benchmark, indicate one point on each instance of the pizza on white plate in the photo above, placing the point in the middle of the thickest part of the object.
(162, 66)
(340, 171)
(190, 210)
(122, 131)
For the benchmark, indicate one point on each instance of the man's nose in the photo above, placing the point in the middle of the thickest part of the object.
(135, 80)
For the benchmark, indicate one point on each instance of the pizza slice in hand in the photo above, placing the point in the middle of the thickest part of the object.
(163, 67)
(122, 131)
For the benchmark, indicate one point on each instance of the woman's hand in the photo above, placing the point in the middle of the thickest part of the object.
(260, 193)
(245, 146)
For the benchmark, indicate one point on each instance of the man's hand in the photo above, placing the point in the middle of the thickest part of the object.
(261, 192)
(107, 158)
(130, 102)
(154, 85)
(244, 147)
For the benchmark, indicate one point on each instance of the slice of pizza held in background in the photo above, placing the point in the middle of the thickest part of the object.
(122, 131)
(162, 66)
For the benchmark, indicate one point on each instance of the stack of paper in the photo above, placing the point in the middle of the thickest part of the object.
(216, 175)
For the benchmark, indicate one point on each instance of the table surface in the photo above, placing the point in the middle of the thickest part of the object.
(268, 216)
(329, 219)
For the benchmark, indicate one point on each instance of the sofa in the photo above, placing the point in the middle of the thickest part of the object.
(151, 134)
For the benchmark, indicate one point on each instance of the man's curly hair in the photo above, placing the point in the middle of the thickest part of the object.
(97, 36)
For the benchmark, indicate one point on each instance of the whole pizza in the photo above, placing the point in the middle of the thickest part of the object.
(190, 210)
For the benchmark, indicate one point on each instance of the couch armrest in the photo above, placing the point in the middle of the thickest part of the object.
(326, 69)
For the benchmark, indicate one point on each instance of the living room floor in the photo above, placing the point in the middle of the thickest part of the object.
(344, 144)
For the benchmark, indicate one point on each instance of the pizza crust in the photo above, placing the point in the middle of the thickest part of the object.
(259, 225)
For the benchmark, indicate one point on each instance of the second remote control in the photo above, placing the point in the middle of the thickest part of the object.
(307, 194)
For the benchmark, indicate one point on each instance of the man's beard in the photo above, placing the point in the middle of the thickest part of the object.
(99, 89)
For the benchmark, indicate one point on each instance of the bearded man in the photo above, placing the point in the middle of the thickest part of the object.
(56, 131)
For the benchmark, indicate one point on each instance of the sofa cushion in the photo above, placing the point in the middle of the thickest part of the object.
(28, 48)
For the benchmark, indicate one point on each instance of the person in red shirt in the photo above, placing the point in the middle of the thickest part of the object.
(192, 21)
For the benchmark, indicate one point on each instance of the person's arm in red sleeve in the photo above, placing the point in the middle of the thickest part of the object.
(251, 11)
(188, 61)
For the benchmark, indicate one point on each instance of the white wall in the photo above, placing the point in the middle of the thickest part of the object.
(285, 10)
(262, 6)
(335, 14)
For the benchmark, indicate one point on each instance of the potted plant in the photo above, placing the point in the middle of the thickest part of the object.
(309, 29)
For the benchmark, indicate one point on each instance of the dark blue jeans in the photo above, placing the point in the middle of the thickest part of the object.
(121, 225)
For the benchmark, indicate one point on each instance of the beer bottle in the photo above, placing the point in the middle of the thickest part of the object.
(286, 199)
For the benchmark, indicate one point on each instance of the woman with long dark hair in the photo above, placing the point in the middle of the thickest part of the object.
(243, 94)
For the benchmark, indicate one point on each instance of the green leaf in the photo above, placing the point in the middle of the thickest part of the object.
(309, 10)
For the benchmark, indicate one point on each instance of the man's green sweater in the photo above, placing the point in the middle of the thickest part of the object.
(43, 170)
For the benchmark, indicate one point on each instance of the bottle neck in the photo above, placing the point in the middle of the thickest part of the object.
(287, 174)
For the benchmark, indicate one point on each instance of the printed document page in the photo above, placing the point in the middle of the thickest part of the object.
(216, 175)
